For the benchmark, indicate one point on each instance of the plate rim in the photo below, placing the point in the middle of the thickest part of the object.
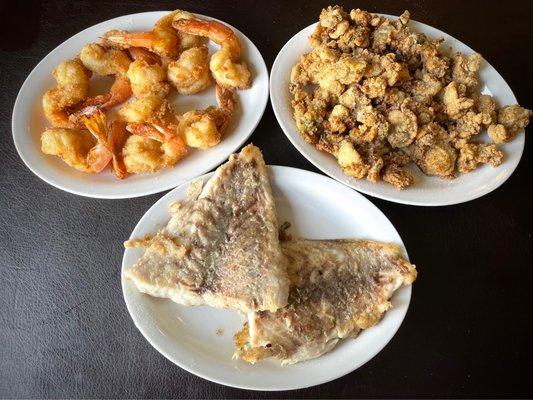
(132, 194)
(243, 385)
(277, 108)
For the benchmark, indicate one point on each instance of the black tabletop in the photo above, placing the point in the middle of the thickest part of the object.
(64, 327)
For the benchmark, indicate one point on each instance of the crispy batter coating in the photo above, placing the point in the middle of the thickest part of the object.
(190, 72)
(486, 105)
(473, 154)
(351, 161)
(465, 69)
(72, 88)
(397, 176)
(102, 61)
(379, 97)
(147, 134)
(143, 154)
(455, 101)
(147, 79)
(435, 157)
(71, 145)
(513, 119)
(88, 150)
(403, 128)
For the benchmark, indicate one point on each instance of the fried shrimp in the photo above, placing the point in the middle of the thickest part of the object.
(78, 148)
(147, 79)
(190, 72)
(72, 88)
(140, 110)
(71, 145)
(105, 62)
(224, 64)
(147, 135)
(186, 41)
(204, 128)
(149, 86)
(163, 39)
(151, 148)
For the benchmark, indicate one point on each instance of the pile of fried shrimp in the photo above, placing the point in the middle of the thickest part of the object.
(379, 97)
(147, 134)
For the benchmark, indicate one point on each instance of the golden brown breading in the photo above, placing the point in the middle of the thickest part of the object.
(374, 87)
(434, 63)
(469, 125)
(487, 107)
(514, 118)
(433, 154)
(403, 127)
(465, 69)
(471, 154)
(397, 176)
(379, 97)
(351, 161)
(455, 100)
(375, 169)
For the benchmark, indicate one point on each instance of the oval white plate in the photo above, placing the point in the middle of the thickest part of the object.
(318, 208)
(29, 122)
(426, 191)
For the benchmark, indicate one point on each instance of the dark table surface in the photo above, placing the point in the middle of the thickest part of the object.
(64, 327)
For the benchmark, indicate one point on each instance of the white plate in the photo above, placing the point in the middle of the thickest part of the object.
(426, 191)
(29, 122)
(318, 208)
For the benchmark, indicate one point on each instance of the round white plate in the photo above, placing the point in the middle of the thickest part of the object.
(426, 191)
(318, 208)
(29, 122)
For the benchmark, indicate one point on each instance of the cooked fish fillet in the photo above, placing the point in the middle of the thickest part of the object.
(338, 287)
(221, 246)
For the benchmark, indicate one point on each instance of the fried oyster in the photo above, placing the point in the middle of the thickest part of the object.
(379, 97)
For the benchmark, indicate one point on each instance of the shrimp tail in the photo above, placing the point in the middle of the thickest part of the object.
(217, 32)
(125, 40)
(100, 155)
(76, 119)
(120, 92)
(225, 98)
(117, 141)
(96, 124)
(140, 53)
(226, 106)
(147, 130)
(157, 42)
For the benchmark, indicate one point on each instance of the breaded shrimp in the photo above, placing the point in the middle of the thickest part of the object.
(71, 145)
(147, 79)
(204, 128)
(104, 62)
(149, 86)
(224, 64)
(78, 148)
(190, 72)
(152, 147)
(141, 109)
(163, 40)
(72, 88)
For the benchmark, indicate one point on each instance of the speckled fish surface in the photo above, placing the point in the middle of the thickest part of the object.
(338, 288)
(221, 246)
